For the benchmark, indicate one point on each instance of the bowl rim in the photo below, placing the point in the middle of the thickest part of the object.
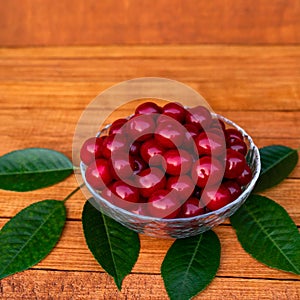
(149, 219)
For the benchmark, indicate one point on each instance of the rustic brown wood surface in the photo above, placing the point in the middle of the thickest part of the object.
(119, 22)
(43, 92)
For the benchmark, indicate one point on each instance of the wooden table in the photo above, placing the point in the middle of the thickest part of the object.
(44, 91)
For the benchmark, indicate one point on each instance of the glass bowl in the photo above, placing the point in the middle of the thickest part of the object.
(179, 227)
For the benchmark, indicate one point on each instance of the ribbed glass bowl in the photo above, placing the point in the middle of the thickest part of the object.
(179, 227)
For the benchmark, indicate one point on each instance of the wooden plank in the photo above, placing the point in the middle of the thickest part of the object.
(235, 261)
(222, 70)
(151, 51)
(260, 95)
(93, 285)
(136, 22)
(237, 78)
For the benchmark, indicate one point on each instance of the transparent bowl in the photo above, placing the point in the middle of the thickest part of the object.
(179, 227)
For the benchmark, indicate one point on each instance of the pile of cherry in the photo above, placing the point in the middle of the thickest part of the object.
(168, 162)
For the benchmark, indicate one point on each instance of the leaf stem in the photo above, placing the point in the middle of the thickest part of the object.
(73, 192)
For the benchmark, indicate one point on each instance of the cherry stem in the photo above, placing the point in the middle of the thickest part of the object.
(73, 192)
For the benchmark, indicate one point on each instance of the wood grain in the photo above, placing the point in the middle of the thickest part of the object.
(266, 78)
(94, 285)
(43, 92)
(90, 22)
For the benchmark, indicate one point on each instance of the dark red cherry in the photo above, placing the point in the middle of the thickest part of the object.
(91, 149)
(177, 162)
(232, 134)
(216, 197)
(245, 177)
(141, 127)
(148, 108)
(235, 164)
(207, 171)
(118, 126)
(113, 143)
(175, 111)
(237, 145)
(138, 164)
(150, 180)
(169, 134)
(163, 119)
(134, 148)
(234, 189)
(217, 123)
(98, 174)
(209, 143)
(122, 165)
(109, 194)
(183, 185)
(197, 192)
(124, 191)
(200, 116)
(150, 149)
(191, 131)
(162, 204)
(191, 208)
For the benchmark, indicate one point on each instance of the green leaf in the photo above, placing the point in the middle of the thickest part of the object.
(115, 247)
(33, 168)
(266, 231)
(277, 162)
(190, 265)
(29, 236)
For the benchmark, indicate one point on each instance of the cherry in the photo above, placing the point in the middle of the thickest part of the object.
(217, 123)
(209, 143)
(124, 191)
(177, 162)
(162, 204)
(216, 197)
(138, 164)
(207, 171)
(245, 177)
(233, 134)
(150, 149)
(237, 145)
(197, 192)
(150, 180)
(169, 134)
(148, 108)
(191, 208)
(117, 126)
(91, 149)
(175, 111)
(186, 144)
(134, 148)
(141, 127)
(98, 174)
(163, 119)
(183, 185)
(234, 189)
(113, 143)
(122, 165)
(235, 164)
(192, 131)
(200, 116)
